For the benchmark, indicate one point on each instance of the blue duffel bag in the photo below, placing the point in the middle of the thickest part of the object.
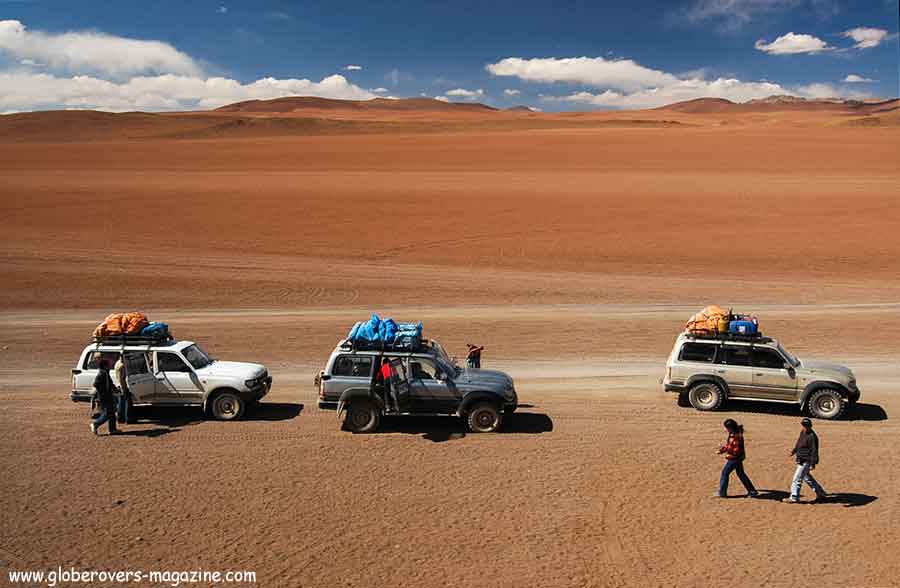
(743, 327)
(156, 331)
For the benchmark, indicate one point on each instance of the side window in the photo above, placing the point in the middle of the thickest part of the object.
(421, 369)
(92, 361)
(169, 362)
(136, 363)
(767, 358)
(735, 355)
(703, 352)
(357, 366)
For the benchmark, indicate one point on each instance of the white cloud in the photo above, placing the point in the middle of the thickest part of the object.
(866, 38)
(734, 13)
(280, 15)
(379, 90)
(620, 74)
(511, 92)
(466, 94)
(353, 67)
(222, 10)
(824, 90)
(857, 79)
(94, 53)
(793, 43)
(442, 98)
(728, 88)
(31, 91)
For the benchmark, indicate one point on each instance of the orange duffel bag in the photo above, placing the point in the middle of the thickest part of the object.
(122, 323)
(712, 320)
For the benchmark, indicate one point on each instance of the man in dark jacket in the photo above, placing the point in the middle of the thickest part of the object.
(103, 392)
(806, 452)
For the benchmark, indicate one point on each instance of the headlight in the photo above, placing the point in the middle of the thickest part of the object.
(251, 383)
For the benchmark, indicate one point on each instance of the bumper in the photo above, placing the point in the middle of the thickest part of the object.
(77, 396)
(675, 387)
(510, 407)
(327, 405)
(259, 391)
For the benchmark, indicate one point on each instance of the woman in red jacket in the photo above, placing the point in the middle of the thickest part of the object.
(734, 460)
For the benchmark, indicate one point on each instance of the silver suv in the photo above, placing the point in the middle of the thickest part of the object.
(710, 371)
(428, 382)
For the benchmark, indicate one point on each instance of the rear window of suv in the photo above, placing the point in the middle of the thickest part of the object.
(92, 361)
(359, 366)
(702, 352)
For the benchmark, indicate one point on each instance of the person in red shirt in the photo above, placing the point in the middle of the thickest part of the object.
(383, 378)
(734, 460)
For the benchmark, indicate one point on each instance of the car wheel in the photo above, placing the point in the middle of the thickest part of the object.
(484, 418)
(227, 406)
(826, 404)
(706, 396)
(362, 416)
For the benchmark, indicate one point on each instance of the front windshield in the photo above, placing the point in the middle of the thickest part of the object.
(445, 366)
(793, 360)
(196, 357)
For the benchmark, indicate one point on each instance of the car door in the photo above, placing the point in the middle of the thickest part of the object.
(176, 382)
(735, 368)
(141, 381)
(771, 378)
(400, 384)
(430, 394)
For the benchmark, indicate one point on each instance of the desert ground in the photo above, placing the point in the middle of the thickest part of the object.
(573, 247)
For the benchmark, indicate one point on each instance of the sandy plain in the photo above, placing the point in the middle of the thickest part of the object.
(572, 246)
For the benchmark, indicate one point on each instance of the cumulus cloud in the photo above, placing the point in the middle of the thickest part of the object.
(379, 90)
(728, 88)
(824, 90)
(511, 92)
(620, 74)
(466, 94)
(94, 53)
(865, 37)
(442, 98)
(352, 67)
(857, 79)
(792, 44)
(33, 91)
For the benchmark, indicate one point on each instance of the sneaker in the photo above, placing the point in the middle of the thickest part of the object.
(753, 494)
(93, 428)
(790, 500)
(717, 495)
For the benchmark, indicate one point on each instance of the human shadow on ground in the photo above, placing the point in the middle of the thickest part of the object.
(182, 416)
(861, 411)
(439, 429)
(848, 499)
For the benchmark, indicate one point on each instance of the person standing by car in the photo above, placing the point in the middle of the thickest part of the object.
(473, 357)
(382, 378)
(103, 392)
(124, 396)
(806, 453)
(734, 460)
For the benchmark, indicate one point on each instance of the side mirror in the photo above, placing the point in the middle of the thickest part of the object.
(790, 370)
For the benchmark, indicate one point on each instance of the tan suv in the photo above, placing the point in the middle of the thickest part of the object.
(712, 370)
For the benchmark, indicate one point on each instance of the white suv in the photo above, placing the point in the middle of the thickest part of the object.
(175, 373)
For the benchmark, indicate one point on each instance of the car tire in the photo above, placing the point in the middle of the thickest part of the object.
(362, 416)
(826, 403)
(706, 396)
(226, 406)
(484, 417)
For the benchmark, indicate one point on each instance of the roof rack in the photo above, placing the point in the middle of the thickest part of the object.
(349, 345)
(752, 338)
(132, 340)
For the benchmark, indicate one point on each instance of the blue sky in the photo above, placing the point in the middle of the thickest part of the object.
(552, 55)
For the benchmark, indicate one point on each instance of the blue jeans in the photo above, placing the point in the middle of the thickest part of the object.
(124, 407)
(803, 474)
(107, 415)
(734, 465)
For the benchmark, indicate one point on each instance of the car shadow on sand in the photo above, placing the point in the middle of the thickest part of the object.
(861, 411)
(439, 429)
(183, 416)
(848, 499)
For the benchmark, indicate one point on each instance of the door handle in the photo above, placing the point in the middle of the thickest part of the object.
(758, 374)
(720, 371)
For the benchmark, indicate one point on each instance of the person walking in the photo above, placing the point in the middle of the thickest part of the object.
(103, 392)
(123, 409)
(734, 460)
(473, 357)
(806, 454)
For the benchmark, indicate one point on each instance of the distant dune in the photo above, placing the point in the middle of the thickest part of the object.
(304, 116)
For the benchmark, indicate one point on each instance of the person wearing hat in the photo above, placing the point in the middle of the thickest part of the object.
(103, 392)
(806, 453)
(734, 460)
